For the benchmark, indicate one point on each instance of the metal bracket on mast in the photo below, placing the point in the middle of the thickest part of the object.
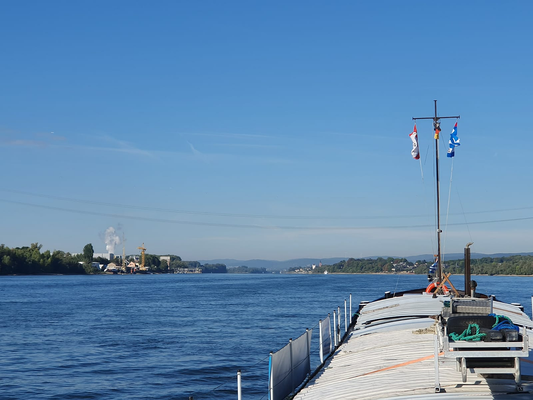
(436, 128)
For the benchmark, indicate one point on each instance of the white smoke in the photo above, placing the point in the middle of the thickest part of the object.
(111, 239)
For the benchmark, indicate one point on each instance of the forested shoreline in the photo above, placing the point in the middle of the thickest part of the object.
(511, 265)
(29, 260)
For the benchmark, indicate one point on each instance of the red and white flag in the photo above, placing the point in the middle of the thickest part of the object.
(414, 138)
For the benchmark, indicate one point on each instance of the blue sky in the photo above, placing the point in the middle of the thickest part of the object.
(276, 130)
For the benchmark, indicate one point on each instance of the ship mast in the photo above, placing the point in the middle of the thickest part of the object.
(436, 127)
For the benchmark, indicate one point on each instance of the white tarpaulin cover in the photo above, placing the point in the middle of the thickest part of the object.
(289, 367)
(325, 326)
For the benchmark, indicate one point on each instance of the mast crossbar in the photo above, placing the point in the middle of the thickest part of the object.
(455, 116)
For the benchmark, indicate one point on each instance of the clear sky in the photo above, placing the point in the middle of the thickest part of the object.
(274, 130)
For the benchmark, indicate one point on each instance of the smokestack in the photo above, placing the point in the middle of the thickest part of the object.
(468, 282)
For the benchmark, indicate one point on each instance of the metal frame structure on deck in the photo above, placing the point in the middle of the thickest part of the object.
(498, 352)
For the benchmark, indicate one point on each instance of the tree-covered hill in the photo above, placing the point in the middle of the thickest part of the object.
(367, 266)
(511, 265)
(30, 261)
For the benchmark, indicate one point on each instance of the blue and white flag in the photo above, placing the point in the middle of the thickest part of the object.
(433, 267)
(454, 142)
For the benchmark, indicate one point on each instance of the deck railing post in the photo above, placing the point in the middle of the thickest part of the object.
(351, 315)
(308, 349)
(292, 375)
(334, 329)
(436, 359)
(345, 317)
(239, 394)
(270, 386)
(329, 330)
(320, 338)
(339, 323)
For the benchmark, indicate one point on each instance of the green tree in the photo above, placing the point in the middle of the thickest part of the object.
(152, 261)
(214, 269)
(102, 260)
(88, 253)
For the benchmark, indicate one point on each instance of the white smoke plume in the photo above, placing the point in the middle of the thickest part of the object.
(111, 239)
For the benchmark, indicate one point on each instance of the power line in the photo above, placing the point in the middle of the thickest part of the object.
(239, 215)
(201, 213)
(249, 226)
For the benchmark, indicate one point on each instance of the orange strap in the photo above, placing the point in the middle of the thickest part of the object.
(402, 364)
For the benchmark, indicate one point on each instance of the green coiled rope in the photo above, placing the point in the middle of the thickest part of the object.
(468, 334)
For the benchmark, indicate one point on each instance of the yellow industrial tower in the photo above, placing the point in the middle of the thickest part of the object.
(123, 254)
(143, 249)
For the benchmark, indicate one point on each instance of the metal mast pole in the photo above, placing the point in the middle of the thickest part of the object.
(436, 128)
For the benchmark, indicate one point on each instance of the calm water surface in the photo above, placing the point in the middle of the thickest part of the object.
(173, 336)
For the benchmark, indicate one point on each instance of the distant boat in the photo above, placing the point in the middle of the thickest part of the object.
(325, 272)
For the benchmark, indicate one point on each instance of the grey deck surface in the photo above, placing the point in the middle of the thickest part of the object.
(390, 354)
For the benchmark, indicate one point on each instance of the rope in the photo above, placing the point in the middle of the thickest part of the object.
(464, 216)
(259, 362)
(396, 287)
(468, 334)
(435, 214)
(503, 322)
(424, 191)
(222, 384)
(233, 377)
(447, 211)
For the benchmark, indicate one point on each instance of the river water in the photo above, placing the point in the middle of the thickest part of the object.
(174, 336)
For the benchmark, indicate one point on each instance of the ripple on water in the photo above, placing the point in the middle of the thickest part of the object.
(171, 336)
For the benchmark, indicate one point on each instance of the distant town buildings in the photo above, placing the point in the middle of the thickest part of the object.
(188, 271)
(110, 256)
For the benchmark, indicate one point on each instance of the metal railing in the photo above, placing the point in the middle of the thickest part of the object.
(330, 338)
(278, 388)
